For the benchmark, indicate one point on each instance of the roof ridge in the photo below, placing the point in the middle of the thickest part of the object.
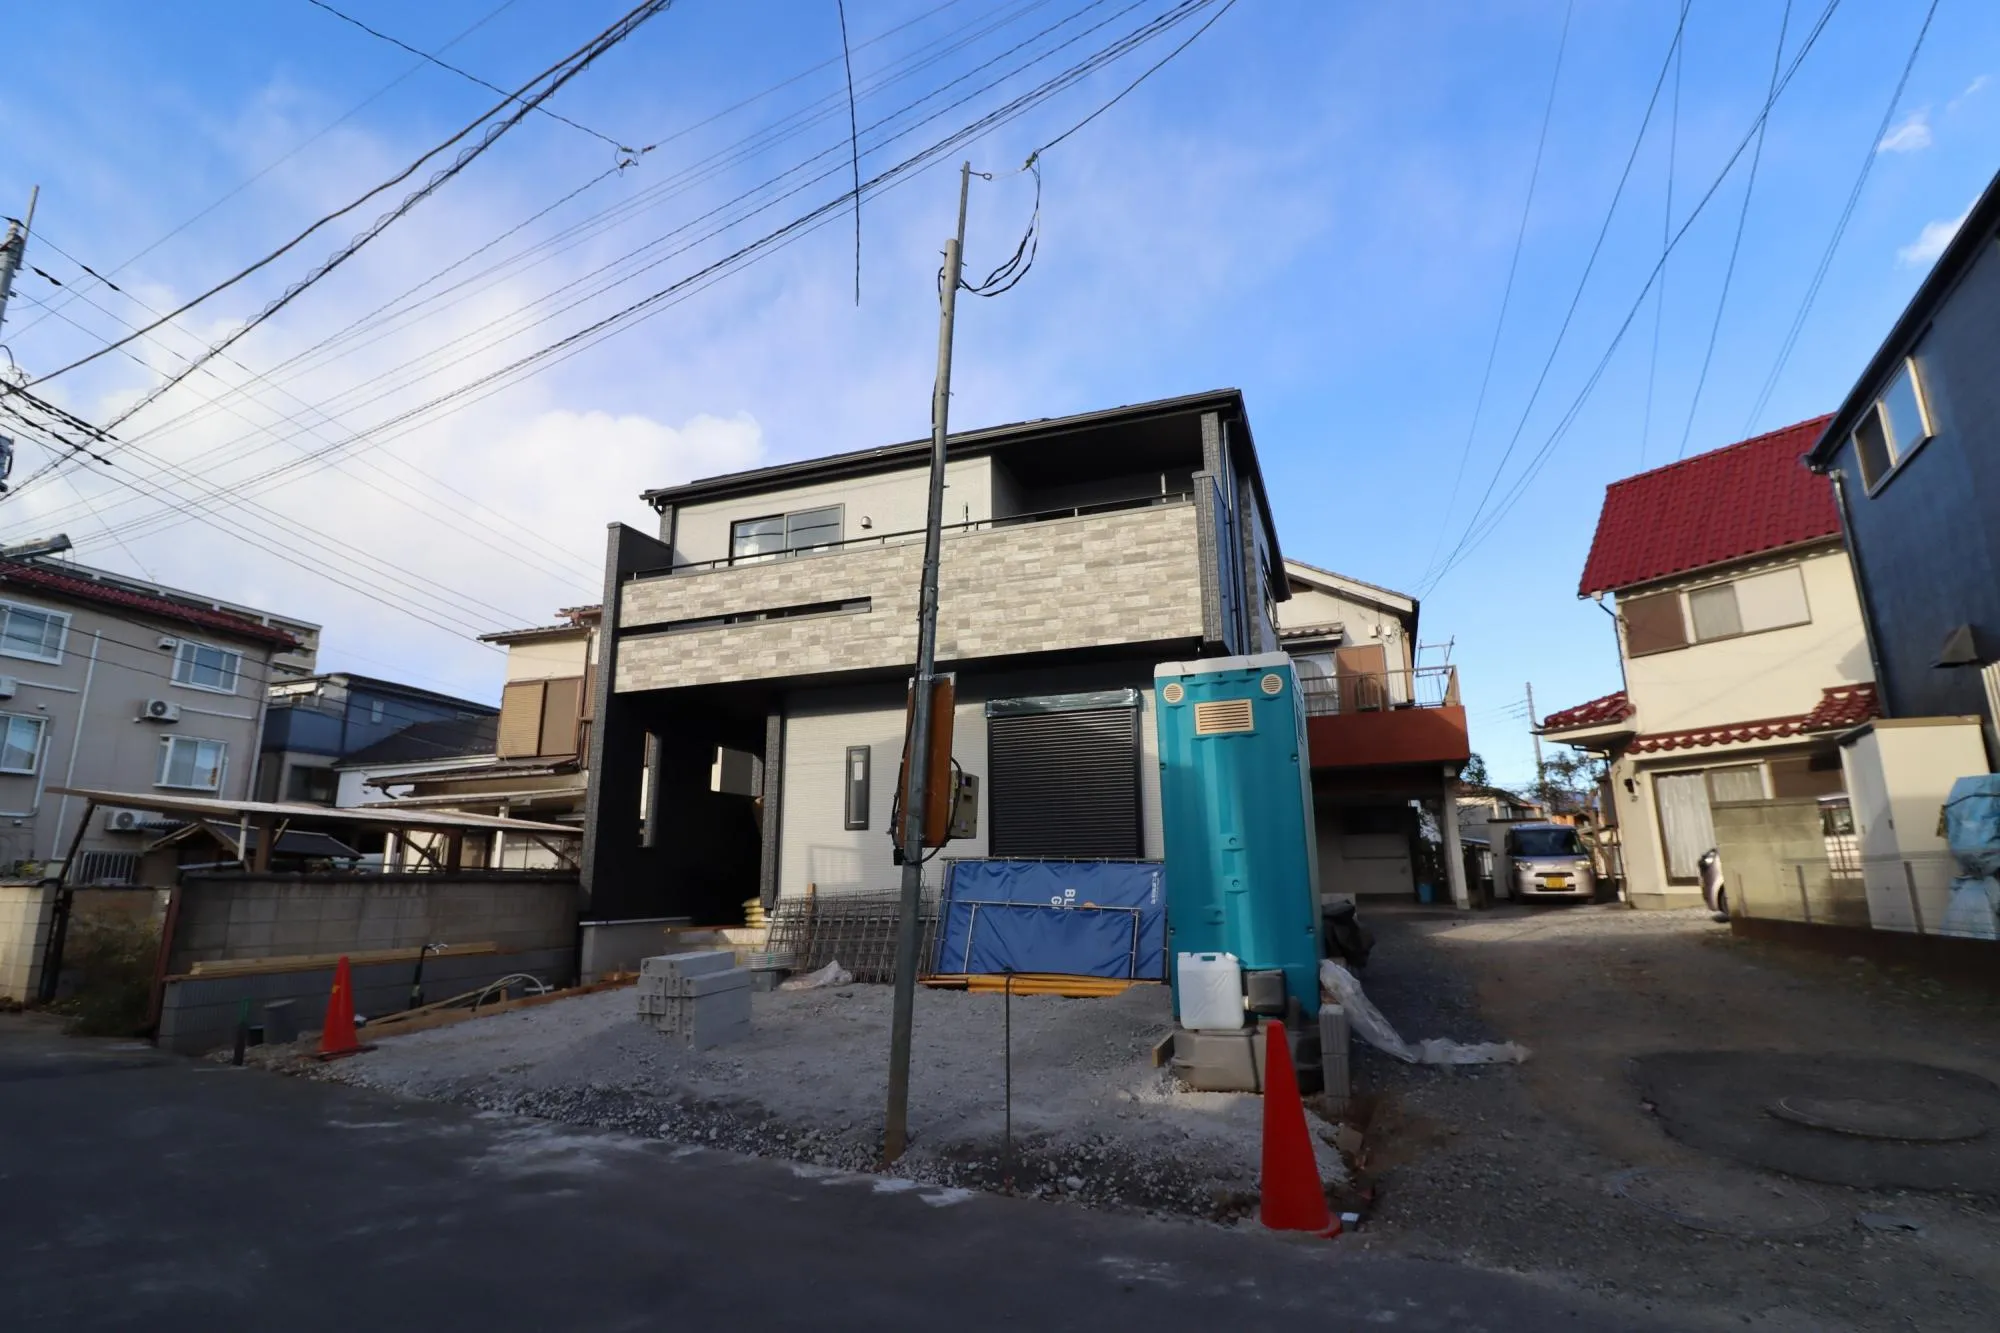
(1817, 422)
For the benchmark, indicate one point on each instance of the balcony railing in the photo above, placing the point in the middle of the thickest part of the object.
(1380, 691)
(875, 539)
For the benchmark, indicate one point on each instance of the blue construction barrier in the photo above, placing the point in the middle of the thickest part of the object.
(1081, 918)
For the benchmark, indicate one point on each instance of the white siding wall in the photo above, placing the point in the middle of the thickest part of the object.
(548, 659)
(890, 501)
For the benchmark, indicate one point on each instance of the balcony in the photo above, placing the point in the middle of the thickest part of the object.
(1078, 578)
(1369, 720)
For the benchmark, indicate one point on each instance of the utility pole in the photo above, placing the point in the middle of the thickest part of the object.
(1535, 731)
(11, 249)
(895, 1134)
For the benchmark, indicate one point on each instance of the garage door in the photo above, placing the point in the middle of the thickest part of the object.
(1064, 771)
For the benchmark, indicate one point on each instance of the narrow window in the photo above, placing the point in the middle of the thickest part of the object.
(1871, 448)
(20, 743)
(1903, 408)
(1714, 612)
(856, 784)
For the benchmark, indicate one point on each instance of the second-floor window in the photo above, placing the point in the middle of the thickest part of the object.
(207, 667)
(31, 632)
(20, 742)
(191, 764)
(1892, 428)
(1752, 604)
(782, 534)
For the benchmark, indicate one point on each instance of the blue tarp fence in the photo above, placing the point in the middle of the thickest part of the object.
(1082, 918)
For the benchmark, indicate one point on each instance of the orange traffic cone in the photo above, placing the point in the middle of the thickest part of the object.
(1292, 1198)
(336, 1035)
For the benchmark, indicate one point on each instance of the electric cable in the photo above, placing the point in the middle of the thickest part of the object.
(853, 142)
(1666, 237)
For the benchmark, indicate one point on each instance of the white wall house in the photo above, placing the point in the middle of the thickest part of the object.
(1740, 641)
(774, 618)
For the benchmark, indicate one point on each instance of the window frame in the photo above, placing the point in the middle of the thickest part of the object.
(1878, 409)
(7, 721)
(856, 786)
(1679, 601)
(784, 521)
(184, 660)
(167, 744)
(62, 618)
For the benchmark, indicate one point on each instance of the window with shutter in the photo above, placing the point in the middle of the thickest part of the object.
(1065, 783)
(520, 733)
(560, 710)
(1653, 624)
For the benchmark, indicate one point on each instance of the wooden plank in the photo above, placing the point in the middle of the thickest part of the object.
(394, 1025)
(233, 967)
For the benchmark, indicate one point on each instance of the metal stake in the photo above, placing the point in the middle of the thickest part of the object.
(895, 1133)
(1007, 1159)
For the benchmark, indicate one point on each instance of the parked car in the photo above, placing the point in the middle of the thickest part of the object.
(1548, 861)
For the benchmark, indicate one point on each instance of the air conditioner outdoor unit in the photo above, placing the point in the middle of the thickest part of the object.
(162, 710)
(168, 643)
(8, 685)
(129, 821)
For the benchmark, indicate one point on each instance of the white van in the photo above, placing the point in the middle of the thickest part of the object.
(1548, 861)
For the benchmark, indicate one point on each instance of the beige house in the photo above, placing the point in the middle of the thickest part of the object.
(1741, 643)
(527, 763)
(106, 686)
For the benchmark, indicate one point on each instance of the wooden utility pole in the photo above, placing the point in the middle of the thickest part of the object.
(1535, 731)
(895, 1134)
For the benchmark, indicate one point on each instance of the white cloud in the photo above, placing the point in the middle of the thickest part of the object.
(1912, 134)
(1931, 241)
(1971, 90)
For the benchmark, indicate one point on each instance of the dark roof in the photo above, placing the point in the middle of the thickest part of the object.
(1974, 235)
(1613, 707)
(421, 742)
(55, 583)
(1728, 504)
(377, 685)
(889, 457)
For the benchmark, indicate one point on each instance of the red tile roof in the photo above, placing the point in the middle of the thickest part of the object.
(42, 578)
(1613, 707)
(1727, 504)
(1839, 707)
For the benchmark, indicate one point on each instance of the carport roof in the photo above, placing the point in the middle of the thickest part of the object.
(204, 807)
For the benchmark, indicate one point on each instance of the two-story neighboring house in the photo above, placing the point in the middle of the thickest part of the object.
(106, 686)
(753, 660)
(1741, 643)
(1913, 456)
(525, 762)
(316, 721)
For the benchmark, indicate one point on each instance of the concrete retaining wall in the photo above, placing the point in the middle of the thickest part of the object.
(619, 946)
(25, 911)
(263, 916)
(1765, 845)
(199, 1013)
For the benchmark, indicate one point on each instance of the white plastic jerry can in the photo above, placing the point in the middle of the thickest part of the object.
(1211, 992)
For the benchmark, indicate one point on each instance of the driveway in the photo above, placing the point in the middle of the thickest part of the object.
(148, 1192)
(1632, 1155)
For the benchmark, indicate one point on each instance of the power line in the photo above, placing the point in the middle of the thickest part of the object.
(1666, 237)
(1507, 291)
(853, 142)
(1541, 456)
(1736, 245)
(1839, 229)
(1576, 298)
(1151, 70)
(562, 71)
(468, 75)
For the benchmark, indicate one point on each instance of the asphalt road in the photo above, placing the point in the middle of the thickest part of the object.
(147, 1192)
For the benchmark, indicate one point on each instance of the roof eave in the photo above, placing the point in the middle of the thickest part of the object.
(1973, 234)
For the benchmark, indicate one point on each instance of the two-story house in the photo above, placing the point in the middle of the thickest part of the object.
(103, 685)
(753, 659)
(1913, 456)
(525, 762)
(314, 722)
(1741, 643)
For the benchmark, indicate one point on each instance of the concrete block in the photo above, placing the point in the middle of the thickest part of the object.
(714, 983)
(688, 964)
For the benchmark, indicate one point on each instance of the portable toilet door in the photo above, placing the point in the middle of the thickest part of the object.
(1236, 805)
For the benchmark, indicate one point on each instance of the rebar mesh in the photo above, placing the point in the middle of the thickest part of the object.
(857, 930)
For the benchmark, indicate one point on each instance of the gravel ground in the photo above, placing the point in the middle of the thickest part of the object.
(1092, 1120)
(1557, 1167)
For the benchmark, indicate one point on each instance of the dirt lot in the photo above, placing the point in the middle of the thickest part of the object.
(1563, 1167)
(1093, 1120)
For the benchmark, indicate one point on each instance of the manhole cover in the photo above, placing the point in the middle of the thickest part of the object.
(1869, 1118)
(1730, 1204)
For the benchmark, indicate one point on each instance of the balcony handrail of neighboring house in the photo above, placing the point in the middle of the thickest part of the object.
(914, 534)
(1381, 691)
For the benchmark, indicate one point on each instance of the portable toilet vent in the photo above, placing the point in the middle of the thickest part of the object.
(1236, 805)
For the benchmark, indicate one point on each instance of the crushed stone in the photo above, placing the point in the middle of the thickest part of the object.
(1093, 1122)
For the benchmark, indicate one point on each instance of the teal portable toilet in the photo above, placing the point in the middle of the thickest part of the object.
(1236, 806)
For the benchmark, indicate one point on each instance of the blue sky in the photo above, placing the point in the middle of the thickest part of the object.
(1316, 203)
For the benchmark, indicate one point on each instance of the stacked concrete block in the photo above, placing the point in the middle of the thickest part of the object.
(701, 999)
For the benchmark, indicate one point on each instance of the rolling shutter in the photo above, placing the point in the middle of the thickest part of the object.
(1065, 779)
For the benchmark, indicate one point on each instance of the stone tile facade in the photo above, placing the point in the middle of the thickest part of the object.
(1131, 576)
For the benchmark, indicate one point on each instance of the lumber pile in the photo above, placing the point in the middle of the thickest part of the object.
(1036, 983)
(459, 1008)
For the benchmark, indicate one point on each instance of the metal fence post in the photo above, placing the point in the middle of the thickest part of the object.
(1916, 907)
(1805, 906)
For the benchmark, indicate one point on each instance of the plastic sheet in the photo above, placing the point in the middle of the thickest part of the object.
(1974, 909)
(833, 974)
(1368, 1023)
(1972, 824)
